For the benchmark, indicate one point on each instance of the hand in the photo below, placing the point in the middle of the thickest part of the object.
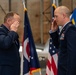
(14, 26)
(54, 26)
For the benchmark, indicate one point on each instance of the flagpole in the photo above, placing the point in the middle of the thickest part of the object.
(27, 22)
(23, 1)
(57, 3)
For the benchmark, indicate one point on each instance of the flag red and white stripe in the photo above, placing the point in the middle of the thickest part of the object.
(51, 67)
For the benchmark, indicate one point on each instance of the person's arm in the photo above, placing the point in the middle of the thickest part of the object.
(55, 38)
(6, 40)
(54, 34)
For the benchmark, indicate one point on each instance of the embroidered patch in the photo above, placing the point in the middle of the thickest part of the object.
(62, 36)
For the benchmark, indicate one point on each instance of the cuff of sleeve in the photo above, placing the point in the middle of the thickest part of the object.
(50, 31)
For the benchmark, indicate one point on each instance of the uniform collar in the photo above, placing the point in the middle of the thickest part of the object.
(65, 24)
(64, 27)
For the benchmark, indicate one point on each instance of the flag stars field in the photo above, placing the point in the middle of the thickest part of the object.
(53, 51)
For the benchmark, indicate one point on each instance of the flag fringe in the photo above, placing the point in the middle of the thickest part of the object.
(37, 70)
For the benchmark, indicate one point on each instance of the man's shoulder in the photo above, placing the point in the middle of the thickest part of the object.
(2, 29)
(70, 25)
(70, 28)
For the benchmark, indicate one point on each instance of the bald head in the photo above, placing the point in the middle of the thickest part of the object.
(63, 9)
(62, 15)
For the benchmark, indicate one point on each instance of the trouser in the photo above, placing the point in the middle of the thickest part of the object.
(9, 70)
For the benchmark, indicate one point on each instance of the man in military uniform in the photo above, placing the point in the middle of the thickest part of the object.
(9, 45)
(65, 41)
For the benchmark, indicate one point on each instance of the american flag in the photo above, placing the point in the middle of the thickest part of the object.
(51, 67)
(30, 58)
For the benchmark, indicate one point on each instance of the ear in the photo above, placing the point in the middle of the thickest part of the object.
(9, 21)
(64, 15)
